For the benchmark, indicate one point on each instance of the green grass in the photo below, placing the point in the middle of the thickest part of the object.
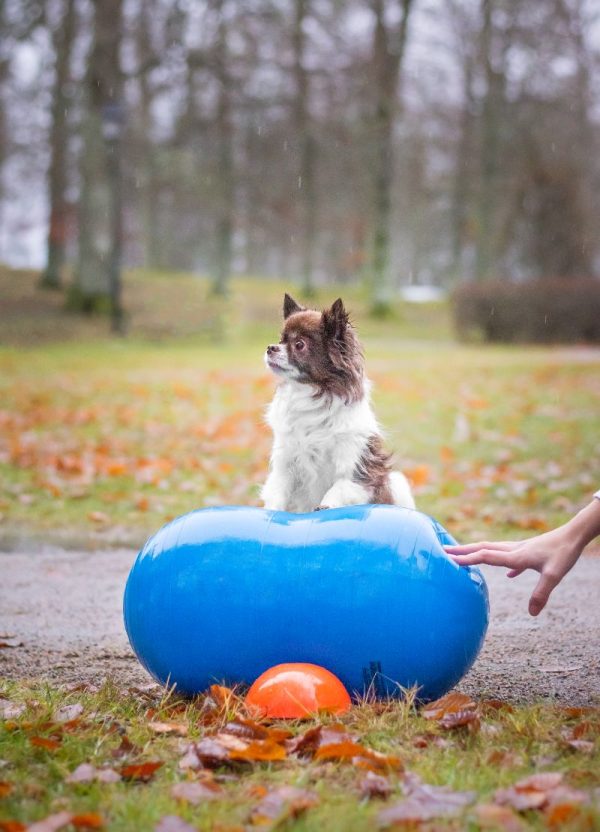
(498, 440)
(102, 441)
(512, 743)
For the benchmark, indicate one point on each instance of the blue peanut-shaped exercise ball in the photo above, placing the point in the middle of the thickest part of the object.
(222, 594)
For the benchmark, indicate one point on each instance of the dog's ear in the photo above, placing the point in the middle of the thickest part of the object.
(335, 320)
(290, 306)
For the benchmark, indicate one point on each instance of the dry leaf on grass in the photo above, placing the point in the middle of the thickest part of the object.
(141, 771)
(124, 748)
(494, 705)
(173, 823)
(308, 743)
(259, 751)
(5, 788)
(559, 814)
(87, 773)
(168, 728)
(239, 741)
(280, 804)
(11, 710)
(461, 719)
(502, 758)
(582, 746)
(88, 820)
(374, 786)
(333, 742)
(492, 816)
(12, 826)
(249, 729)
(196, 791)
(68, 713)
(539, 791)
(45, 742)
(424, 802)
(451, 704)
(52, 823)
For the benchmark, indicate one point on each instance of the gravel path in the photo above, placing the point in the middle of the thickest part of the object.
(62, 611)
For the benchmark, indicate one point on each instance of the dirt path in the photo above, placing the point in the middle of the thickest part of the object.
(64, 610)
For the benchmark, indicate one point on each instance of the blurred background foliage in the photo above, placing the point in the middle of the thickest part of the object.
(378, 145)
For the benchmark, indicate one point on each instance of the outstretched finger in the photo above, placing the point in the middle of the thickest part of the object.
(469, 548)
(490, 556)
(541, 593)
(514, 573)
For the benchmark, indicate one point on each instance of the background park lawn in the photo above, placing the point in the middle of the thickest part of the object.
(102, 440)
(105, 440)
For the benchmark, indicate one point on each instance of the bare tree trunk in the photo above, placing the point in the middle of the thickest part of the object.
(490, 125)
(389, 42)
(306, 178)
(149, 173)
(460, 194)
(224, 235)
(98, 276)
(63, 38)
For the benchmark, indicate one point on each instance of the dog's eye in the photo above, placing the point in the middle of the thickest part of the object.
(299, 345)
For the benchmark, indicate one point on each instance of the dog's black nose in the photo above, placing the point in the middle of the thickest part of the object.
(271, 348)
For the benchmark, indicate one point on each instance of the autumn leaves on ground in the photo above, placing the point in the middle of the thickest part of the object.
(103, 441)
(141, 759)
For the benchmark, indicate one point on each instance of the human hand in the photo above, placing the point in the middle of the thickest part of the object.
(551, 554)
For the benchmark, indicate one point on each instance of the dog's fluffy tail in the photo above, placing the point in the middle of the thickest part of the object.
(401, 490)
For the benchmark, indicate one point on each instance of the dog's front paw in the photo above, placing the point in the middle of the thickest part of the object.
(322, 508)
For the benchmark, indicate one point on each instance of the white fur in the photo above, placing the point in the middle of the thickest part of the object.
(317, 445)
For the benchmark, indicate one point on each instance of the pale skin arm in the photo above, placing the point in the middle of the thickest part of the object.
(552, 554)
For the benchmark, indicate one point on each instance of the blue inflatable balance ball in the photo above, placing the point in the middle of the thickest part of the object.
(222, 594)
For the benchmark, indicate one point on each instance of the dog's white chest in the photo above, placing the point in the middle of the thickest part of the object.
(316, 441)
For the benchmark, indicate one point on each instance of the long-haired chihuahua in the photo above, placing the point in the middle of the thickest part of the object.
(327, 449)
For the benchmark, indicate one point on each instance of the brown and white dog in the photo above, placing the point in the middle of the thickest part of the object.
(327, 450)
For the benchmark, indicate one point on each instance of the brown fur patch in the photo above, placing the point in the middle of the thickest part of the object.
(373, 471)
(331, 358)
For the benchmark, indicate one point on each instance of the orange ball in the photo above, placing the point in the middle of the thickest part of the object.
(297, 690)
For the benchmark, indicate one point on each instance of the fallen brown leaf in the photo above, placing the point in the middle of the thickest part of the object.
(424, 802)
(10, 710)
(374, 786)
(88, 820)
(45, 742)
(559, 814)
(221, 695)
(141, 771)
(68, 713)
(280, 804)
(492, 816)
(52, 823)
(259, 751)
(531, 792)
(169, 728)
(125, 748)
(99, 517)
(494, 705)
(306, 744)
(583, 746)
(196, 791)
(12, 826)
(452, 703)
(501, 758)
(173, 823)
(249, 729)
(86, 773)
(461, 719)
